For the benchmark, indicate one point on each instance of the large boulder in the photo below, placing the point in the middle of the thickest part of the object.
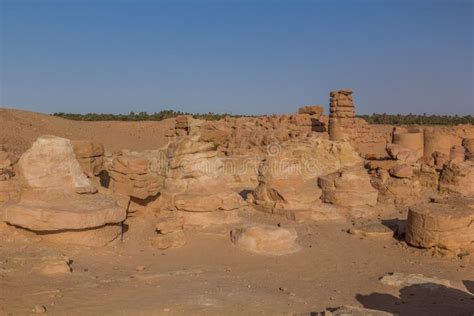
(51, 163)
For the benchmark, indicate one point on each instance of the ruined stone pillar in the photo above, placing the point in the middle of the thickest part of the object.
(436, 141)
(341, 115)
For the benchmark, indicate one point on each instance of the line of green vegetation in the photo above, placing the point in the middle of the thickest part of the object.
(141, 116)
(376, 118)
(416, 119)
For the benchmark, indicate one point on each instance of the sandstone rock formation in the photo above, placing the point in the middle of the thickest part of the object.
(7, 160)
(51, 163)
(411, 139)
(445, 226)
(194, 185)
(138, 175)
(287, 178)
(436, 141)
(170, 233)
(58, 201)
(90, 156)
(468, 144)
(311, 110)
(457, 177)
(251, 135)
(264, 239)
(348, 187)
(457, 153)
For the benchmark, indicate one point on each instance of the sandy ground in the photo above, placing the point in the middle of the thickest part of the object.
(19, 129)
(209, 275)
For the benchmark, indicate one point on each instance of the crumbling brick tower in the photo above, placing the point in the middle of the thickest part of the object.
(341, 115)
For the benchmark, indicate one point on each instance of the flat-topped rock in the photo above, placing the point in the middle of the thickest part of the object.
(372, 230)
(265, 239)
(446, 226)
(51, 211)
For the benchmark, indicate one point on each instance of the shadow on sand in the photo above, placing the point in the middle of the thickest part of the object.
(424, 299)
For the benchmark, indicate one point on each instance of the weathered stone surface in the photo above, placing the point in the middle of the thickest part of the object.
(443, 226)
(457, 153)
(90, 156)
(285, 195)
(403, 154)
(92, 237)
(9, 190)
(457, 177)
(372, 230)
(50, 205)
(264, 239)
(341, 115)
(468, 144)
(170, 224)
(353, 311)
(51, 264)
(412, 140)
(205, 219)
(7, 160)
(402, 279)
(194, 181)
(316, 110)
(51, 163)
(398, 190)
(436, 141)
(175, 239)
(401, 171)
(348, 187)
(137, 175)
(381, 164)
(56, 210)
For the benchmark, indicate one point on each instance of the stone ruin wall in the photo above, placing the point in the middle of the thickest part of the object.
(254, 135)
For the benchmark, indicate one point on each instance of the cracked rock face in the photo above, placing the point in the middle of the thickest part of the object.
(441, 225)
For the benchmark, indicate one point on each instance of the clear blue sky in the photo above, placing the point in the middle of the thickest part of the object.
(248, 57)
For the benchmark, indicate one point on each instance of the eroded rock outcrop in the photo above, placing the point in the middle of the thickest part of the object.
(348, 187)
(90, 156)
(169, 233)
(194, 185)
(458, 178)
(138, 175)
(58, 201)
(288, 177)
